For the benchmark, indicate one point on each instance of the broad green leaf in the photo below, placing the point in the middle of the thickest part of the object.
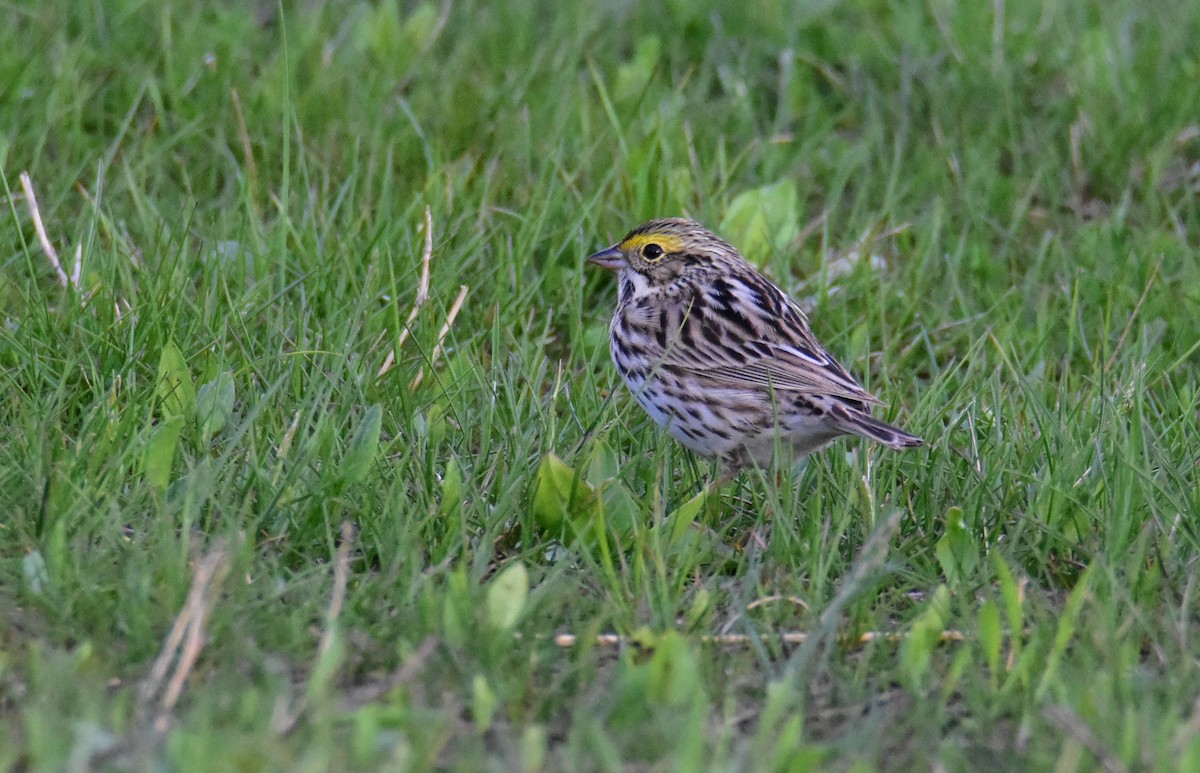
(431, 425)
(363, 446)
(702, 606)
(452, 486)
(957, 550)
(634, 75)
(621, 512)
(675, 678)
(532, 747)
(159, 453)
(483, 703)
(193, 486)
(553, 477)
(214, 405)
(687, 544)
(459, 608)
(763, 220)
(924, 636)
(174, 388)
(37, 576)
(962, 661)
(560, 496)
(506, 595)
(1013, 595)
(603, 464)
(680, 520)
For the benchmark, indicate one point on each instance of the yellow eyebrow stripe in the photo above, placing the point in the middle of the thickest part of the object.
(669, 242)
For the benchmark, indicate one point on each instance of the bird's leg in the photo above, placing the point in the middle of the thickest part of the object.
(731, 464)
(730, 468)
(715, 485)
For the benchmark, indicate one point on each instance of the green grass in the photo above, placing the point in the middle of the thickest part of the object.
(248, 187)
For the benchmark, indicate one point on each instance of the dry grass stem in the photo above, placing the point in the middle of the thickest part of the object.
(247, 152)
(437, 349)
(1074, 726)
(419, 301)
(51, 254)
(286, 719)
(341, 572)
(188, 631)
(568, 640)
(367, 694)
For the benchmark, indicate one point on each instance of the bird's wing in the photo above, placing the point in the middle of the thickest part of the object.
(788, 370)
(769, 346)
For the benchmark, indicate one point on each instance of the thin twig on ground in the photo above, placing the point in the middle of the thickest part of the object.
(568, 640)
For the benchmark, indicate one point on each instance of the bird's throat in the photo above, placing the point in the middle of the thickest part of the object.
(634, 286)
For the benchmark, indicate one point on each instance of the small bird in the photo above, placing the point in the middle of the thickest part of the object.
(724, 359)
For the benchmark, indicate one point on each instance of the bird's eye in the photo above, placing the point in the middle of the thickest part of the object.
(652, 252)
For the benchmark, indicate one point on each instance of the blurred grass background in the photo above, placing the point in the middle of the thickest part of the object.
(991, 210)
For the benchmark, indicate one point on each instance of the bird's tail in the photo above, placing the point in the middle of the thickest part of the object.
(859, 422)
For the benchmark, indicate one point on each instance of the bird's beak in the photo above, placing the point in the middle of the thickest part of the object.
(612, 259)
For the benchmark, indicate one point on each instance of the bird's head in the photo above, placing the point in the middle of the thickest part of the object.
(657, 253)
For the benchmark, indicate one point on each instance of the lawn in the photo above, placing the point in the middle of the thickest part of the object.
(313, 457)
